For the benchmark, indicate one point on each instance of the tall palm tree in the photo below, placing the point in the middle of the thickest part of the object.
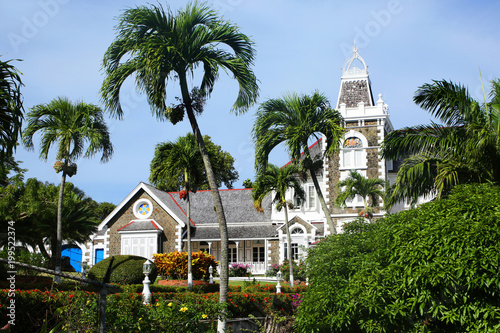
(367, 188)
(278, 181)
(180, 159)
(11, 109)
(158, 46)
(464, 149)
(70, 127)
(294, 119)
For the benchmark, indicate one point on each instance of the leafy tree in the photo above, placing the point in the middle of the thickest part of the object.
(367, 188)
(293, 120)
(247, 183)
(70, 126)
(103, 209)
(180, 160)
(158, 45)
(465, 149)
(277, 181)
(32, 208)
(170, 179)
(11, 109)
(429, 269)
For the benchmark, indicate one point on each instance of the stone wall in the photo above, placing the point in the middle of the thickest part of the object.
(168, 237)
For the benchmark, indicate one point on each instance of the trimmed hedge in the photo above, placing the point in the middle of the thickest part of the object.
(121, 269)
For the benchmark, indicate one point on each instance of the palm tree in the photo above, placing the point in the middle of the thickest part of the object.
(367, 188)
(70, 126)
(174, 160)
(465, 149)
(11, 109)
(158, 46)
(278, 181)
(294, 119)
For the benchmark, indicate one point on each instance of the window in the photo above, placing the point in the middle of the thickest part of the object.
(311, 197)
(297, 231)
(232, 254)
(353, 155)
(258, 254)
(295, 251)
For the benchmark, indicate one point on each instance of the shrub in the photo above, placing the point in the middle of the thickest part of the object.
(299, 270)
(174, 264)
(273, 270)
(236, 269)
(121, 269)
(429, 269)
(26, 257)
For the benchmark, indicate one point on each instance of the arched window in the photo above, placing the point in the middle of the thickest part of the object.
(296, 231)
(353, 154)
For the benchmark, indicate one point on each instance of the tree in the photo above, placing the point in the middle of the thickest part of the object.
(293, 120)
(429, 269)
(171, 179)
(32, 207)
(11, 109)
(70, 126)
(278, 181)
(367, 188)
(159, 46)
(180, 160)
(465, 149)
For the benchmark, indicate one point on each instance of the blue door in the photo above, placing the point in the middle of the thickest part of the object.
(99, 255)
(75, 256)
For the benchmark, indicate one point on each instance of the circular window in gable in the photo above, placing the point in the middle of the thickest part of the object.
(143, 208)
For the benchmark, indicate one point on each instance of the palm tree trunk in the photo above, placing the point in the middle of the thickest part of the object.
(224, 271)
(289, 240)
(321, 199)
(58, 252)
(188, 223)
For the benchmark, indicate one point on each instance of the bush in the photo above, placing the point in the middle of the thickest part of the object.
(121, 269)
(174, 264)
(236, 269)
(299, 270)
(26, 257)
(429, 269)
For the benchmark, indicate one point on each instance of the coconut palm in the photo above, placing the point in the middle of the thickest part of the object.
(158, 46)
(180, 159)
(70, 127)
(293, 120)
(464, 149)
(355, 184)
(11, 109)
(278, 181)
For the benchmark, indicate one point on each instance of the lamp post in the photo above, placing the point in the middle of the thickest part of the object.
(146, 293)
(211, 271)
(278, 285)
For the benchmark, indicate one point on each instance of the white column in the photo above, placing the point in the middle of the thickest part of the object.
(237, 250)
(209, 248)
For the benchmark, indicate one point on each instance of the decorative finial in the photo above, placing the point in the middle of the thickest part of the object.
(354, 47)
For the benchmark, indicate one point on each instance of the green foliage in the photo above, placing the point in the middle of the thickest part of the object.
(174, 264)
(241, 270)
(299, 270)
(26, 257)
(430, 269)
(121, 269)
(11, 109)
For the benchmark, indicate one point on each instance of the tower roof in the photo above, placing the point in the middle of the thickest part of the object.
(355, 84)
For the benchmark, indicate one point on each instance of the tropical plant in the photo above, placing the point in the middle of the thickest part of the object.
(180, 160)
(32, 208)
(158, 45)
(122, 269)
(465, 149)
(293, 120)
(277, 181)
(70, 126)
(11, 109)
(166, 172)
(367, 188)
(429, 269)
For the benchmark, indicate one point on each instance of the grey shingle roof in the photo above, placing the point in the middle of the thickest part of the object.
(238, 207)
(236, 232)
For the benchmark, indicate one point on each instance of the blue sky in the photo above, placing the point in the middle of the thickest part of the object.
(301, 47)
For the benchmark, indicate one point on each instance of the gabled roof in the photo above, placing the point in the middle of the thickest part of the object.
(235, 232)
(141, 225)
(238, 206)
(316, 151)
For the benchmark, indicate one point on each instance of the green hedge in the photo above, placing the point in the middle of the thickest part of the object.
(121, 269)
